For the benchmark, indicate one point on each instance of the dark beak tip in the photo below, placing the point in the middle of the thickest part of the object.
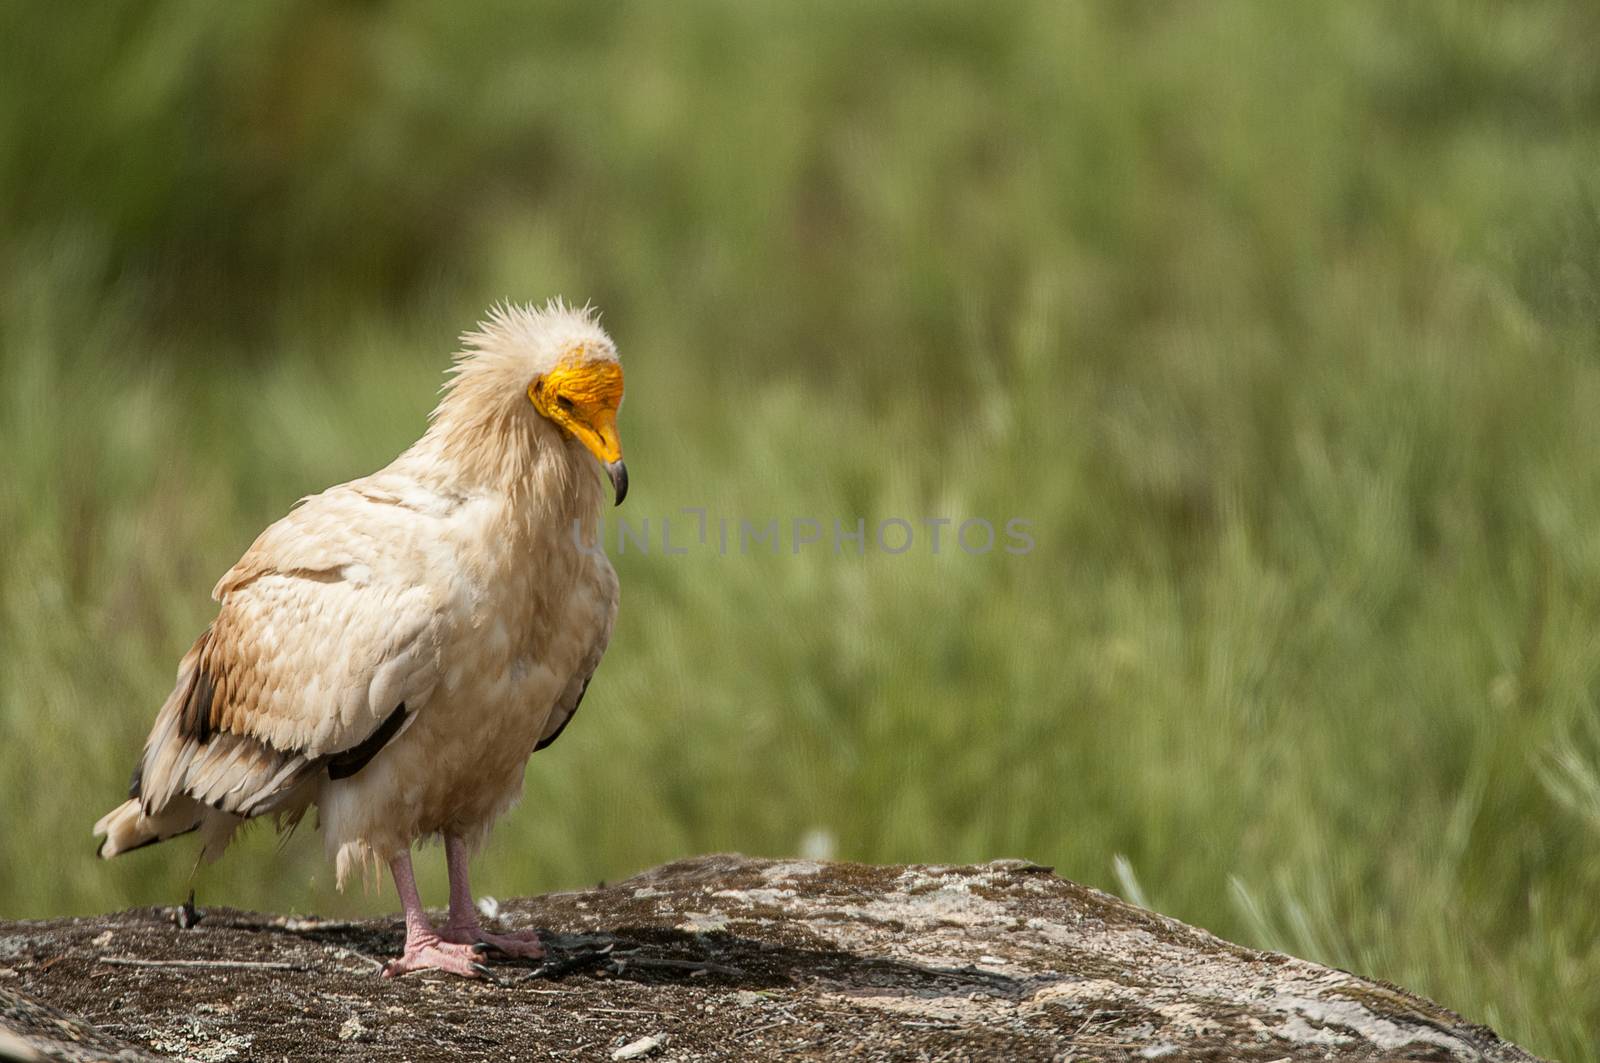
(619, 479)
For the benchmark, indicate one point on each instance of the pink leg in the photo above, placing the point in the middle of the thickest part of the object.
(463, 926)
(425, 949)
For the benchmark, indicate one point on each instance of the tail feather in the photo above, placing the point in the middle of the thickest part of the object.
(126, 827)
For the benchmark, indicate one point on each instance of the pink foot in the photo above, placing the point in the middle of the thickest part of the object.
(523, 943)
(436, 954)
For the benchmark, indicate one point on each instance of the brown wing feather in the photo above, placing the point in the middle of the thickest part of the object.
(197, 749)
(229, 770)
(302, 665)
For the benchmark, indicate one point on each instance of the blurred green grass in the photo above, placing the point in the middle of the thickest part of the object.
(1281, 323)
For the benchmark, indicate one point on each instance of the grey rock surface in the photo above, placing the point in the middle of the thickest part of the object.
(719, 957)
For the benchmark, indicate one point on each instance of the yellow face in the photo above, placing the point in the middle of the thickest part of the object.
(582, 398)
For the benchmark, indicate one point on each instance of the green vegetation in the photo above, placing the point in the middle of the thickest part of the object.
(1280, 322)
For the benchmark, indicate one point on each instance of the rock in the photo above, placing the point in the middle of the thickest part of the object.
(352, 1029)
(31, 1032)
(638, 1049)
(721, 957)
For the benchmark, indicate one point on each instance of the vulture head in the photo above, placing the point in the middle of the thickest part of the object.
(538, 374)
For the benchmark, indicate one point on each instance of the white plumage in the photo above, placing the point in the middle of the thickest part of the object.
(395, 648)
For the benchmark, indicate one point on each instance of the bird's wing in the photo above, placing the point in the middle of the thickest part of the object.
(326, 645)
(592, 607)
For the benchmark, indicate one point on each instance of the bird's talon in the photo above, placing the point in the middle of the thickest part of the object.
(435, 955)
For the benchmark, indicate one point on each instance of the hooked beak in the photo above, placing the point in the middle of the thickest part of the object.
(582, 400)
(619, 479)
(598, 432)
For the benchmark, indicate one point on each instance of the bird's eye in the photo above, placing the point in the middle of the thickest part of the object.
(564, 402)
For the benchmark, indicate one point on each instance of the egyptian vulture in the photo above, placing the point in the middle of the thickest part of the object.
(395, 648)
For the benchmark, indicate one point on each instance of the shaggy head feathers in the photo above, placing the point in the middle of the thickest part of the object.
(484, 419)
(518, 343)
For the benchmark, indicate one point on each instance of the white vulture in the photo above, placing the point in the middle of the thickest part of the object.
(395, 648)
